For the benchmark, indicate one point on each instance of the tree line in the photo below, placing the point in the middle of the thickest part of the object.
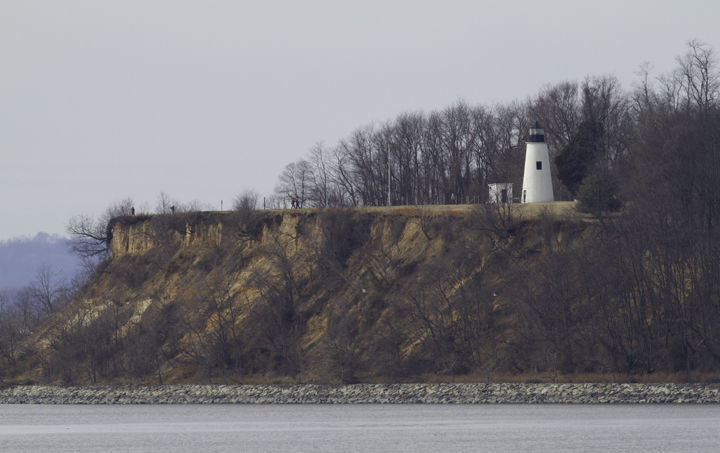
(449, 156)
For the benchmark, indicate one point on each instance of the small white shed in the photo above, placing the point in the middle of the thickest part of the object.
(500, 192)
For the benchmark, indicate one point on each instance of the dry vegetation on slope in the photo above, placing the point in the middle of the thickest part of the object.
(376, 294)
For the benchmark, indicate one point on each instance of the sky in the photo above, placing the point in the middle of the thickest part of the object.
(101, 100)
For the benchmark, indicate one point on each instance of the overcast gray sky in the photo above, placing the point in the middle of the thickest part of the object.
(100, 100)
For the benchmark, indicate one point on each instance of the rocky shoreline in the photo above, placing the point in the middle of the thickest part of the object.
(367, 394)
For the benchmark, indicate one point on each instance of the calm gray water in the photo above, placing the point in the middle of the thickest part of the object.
(360, 428)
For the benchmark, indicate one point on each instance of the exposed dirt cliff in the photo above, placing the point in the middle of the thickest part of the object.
(338, 295)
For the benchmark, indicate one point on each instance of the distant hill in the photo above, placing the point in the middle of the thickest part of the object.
(21, 257)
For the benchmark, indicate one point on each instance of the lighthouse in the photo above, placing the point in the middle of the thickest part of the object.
(537, 183)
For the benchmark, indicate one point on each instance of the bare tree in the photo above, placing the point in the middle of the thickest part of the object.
(558, 109)
(165, 204)
(245, 220)
(194, 205)
(220, 349)
(295, 181)
(91, 236)
(341, 346)
(48, 291)
(699, 75)
(321, 189)
(280, 287)
(247, 200)
(424, 218)
(13, 329)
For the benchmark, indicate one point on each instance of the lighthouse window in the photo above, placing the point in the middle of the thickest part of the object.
(538, 165)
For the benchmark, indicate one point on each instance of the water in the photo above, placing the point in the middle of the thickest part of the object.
(360, 428)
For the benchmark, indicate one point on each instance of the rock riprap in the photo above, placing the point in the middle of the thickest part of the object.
(366, 394)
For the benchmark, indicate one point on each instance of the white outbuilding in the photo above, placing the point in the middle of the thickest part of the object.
(537, 182)
(500, 192)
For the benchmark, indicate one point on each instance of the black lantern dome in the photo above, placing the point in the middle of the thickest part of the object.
(537, 133)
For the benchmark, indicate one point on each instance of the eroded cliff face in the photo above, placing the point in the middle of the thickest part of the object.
(134, 235)
(334, 295)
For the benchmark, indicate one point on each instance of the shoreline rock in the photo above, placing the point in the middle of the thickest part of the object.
(368, 394)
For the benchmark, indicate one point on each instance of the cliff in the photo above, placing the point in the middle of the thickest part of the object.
(340, 296)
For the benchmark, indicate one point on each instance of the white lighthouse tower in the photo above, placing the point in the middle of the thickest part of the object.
(537, 183)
